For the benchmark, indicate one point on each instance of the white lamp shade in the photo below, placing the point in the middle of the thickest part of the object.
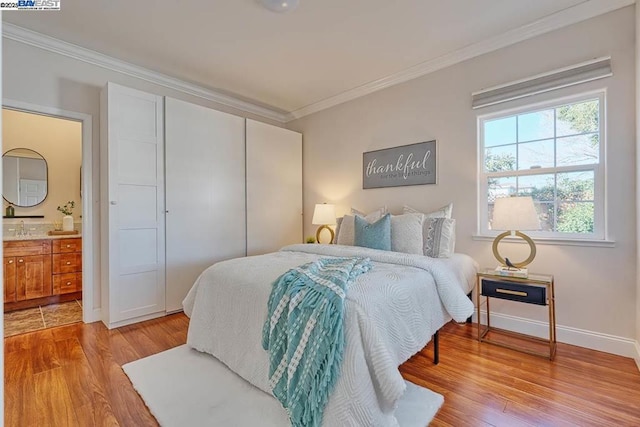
(324, 214)
(515, 213)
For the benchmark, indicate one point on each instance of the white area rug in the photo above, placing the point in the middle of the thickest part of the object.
(183, 387)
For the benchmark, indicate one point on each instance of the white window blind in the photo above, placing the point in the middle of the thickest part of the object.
(568, 76)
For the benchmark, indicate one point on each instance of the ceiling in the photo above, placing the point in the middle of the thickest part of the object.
(288, 62)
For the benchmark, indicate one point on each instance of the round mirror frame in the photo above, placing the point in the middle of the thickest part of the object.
(46, 173)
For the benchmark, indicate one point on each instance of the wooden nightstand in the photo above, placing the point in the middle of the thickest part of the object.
(536, 289)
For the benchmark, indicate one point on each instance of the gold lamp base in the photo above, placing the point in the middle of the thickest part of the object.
(521, 264)
(322, 227)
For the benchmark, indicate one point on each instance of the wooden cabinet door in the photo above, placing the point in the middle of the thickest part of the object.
(9, 279)
(33, 276)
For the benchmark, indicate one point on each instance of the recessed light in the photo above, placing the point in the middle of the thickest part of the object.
(280, 6)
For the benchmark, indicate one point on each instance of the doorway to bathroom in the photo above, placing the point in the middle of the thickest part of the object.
(43, 218)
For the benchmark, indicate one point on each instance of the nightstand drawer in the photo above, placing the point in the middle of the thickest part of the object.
(530, 294)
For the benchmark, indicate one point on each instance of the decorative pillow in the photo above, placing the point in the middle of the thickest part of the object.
(406, 233)
(443, 212)
(373, 215)
(439, 237)
(344, 232)
(374, 236)
(335, 236)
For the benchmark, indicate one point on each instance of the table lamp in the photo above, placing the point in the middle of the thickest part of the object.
(514, 214)
(324, 215)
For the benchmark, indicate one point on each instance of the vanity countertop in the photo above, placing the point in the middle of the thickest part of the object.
(40, 237)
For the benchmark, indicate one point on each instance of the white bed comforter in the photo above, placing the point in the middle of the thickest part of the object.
(391, 313)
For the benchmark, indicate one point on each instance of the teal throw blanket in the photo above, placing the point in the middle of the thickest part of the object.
(304, 334)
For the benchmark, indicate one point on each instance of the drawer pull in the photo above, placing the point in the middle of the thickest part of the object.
(20, 260)
(68, 283)
(10, 261)
(68, 262)
(68, 246)
(510, 292)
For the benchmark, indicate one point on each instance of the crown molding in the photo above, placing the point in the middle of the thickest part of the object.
(51, 44)
(581, 12)
(569, 16)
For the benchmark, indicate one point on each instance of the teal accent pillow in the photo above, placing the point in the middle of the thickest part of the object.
(374, 236)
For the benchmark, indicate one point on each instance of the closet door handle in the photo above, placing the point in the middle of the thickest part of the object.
(10, 261)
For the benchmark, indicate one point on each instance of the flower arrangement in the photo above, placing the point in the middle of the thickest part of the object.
(67, 208)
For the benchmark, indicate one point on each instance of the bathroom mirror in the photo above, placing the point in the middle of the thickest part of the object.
(24, 176)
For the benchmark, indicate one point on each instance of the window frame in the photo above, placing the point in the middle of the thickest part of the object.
(599, 169)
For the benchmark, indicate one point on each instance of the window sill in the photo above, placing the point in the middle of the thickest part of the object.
(552, 241)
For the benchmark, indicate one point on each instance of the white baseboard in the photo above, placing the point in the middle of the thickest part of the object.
(126, 322)
(96, 316)
(565, 334)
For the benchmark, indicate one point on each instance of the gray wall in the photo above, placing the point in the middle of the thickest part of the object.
(595, 286)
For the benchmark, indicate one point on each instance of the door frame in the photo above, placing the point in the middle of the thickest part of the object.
(89, 313)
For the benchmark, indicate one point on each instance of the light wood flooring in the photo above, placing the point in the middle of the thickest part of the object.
(72, 376)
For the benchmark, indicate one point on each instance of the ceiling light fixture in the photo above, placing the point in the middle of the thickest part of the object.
(280, 6)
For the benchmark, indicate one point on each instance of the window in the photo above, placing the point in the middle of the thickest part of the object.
(553, 153)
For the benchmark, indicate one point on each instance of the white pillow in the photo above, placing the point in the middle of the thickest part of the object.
(345, 234)
(372, 216)
(406, 233)
(337, 233)
(439, 236)
(443, 212)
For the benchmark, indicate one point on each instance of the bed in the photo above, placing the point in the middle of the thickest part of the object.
(391, 313)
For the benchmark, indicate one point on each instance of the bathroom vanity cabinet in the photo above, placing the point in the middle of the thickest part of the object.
(37, 272)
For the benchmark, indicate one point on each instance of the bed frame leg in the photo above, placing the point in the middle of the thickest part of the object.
(469, 319)
(436, 348)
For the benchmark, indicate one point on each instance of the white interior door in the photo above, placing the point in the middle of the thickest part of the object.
(205, 193)
(274, 187)
(134, 199)
(32, 191)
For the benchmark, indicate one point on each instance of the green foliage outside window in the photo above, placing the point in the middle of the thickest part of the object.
(569, 199)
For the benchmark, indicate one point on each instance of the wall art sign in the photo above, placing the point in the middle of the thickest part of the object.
(413, 164)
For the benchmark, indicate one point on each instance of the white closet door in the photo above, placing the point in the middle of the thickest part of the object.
(133, 202)
(205, 193)
(274, 187)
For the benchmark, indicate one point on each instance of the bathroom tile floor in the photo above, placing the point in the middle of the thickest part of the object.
(46, 316)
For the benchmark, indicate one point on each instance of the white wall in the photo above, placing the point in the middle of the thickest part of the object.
(637, 186)
(595, 286)
(59, 141)
(36, 76)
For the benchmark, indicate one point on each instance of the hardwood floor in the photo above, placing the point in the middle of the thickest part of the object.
(71, 376)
